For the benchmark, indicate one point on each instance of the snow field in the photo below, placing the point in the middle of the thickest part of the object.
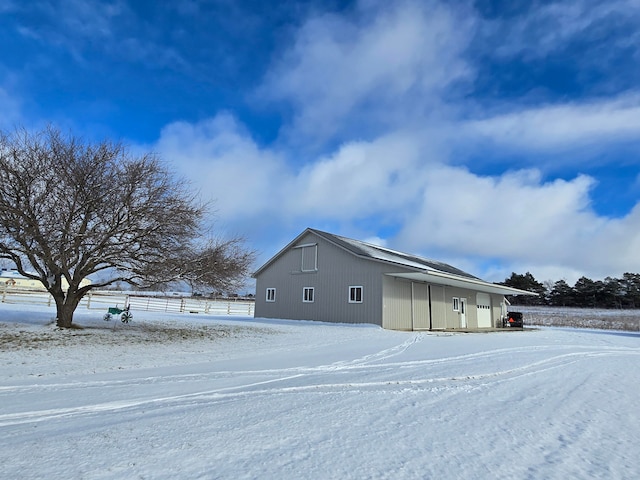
(217, 398)
(598, 318)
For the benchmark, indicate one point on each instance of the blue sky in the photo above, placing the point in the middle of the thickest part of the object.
(496, 136)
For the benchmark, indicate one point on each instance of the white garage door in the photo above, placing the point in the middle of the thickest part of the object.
(484, 310)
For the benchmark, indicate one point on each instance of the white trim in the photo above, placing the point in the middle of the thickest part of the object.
(306, 245)
(455, 302)
(271, 298)
(463, 312)
(315, 258)
(308, 294)
(354, 288)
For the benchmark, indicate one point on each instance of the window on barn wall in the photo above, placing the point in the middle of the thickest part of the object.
(456, 304)
(309, 257)
(355, 294)
(271, 294)
(307, 294)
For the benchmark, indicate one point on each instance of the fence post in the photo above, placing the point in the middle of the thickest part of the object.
(4, 292)
(88, 300)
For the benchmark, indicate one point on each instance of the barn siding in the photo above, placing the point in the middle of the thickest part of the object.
(420, 310)
(388, 301)
(396, 304)
(496, 310)
(438, 308)
(337, 270)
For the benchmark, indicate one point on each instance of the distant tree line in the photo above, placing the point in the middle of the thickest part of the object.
(619, 293)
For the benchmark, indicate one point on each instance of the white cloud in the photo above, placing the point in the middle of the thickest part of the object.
(563, 125)
(548, 28)
(381, 242)
(220, 158)
(507, 216)
(114, 28)
(516, 217)
(360, 179)
(379, 70)
(77, 21)
(383, 65)
(520, 219)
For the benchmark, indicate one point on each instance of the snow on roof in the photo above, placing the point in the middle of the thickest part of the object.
(376, 252)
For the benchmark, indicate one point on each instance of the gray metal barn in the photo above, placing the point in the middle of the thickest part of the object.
(325, 277)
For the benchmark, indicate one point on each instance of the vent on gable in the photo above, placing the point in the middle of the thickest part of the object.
(309, 257)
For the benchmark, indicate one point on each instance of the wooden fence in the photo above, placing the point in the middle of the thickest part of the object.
(99, 300)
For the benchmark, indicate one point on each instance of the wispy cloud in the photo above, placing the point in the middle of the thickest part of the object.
(541, 30)
(365, 85)
(11, 111)
(516, 216)
(89, 28)
(384, 65)
(71, 25)
(577, 124)
(384, 113)
(8, 5)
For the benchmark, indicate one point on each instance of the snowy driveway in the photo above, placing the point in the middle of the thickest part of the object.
(291, 400)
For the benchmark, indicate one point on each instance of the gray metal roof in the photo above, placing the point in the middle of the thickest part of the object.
(424, 270)
(376, 252)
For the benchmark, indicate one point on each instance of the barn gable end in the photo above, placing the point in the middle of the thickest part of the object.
(324, 277)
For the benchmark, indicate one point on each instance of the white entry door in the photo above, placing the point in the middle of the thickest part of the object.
(463, 313)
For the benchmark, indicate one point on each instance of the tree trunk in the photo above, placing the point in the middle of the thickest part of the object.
(64, 317)
(65, 306)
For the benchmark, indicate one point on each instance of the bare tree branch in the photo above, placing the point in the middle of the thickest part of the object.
(70, 209)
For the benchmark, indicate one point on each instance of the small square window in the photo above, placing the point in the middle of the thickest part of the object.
(307, 294)
(271, 294)
(355, 294)
(456, 304)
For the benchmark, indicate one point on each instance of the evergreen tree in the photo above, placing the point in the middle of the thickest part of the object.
(611, 295)
(630, 288)
(562, 294)
(585, 293)
(529, 283)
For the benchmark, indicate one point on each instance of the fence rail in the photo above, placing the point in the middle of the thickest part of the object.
(103, 300)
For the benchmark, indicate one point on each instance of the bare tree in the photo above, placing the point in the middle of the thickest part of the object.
(221, 264)
(70, 209)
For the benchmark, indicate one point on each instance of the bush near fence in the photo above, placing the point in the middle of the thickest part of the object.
(102, 300)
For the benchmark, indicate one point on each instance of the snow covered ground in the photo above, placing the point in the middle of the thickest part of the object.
(202, 397)
(603, 319)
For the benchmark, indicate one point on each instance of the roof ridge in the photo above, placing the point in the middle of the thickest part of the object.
(403, 257)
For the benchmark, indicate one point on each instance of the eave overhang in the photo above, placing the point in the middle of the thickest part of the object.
(440, 278)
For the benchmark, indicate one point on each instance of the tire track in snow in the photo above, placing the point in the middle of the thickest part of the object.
(42, 415)
(363, 363)
(50, 414)
(452, 383)
(374, 357)
(341, 365)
